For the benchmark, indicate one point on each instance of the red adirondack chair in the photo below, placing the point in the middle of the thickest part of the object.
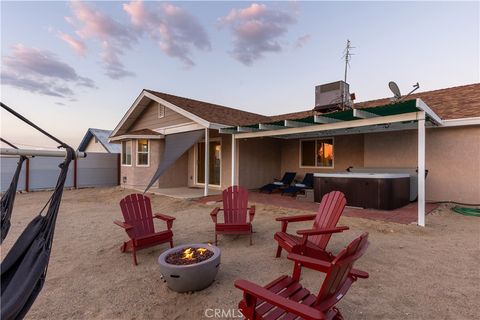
(313, 242)
(286, 298)
(235, 207)
(137, 213)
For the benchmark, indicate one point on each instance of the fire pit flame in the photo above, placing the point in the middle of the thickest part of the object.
(188, 254)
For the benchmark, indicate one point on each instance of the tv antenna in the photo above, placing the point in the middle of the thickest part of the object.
(397, 96)
(347, 55)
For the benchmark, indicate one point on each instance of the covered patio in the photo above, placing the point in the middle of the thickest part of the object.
(399, 116)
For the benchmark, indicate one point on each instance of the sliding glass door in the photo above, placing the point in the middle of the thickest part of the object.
(215, 161)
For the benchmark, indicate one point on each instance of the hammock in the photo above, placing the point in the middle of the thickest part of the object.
(8, 197)
(24, 269)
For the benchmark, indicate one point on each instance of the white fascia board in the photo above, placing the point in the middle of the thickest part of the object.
(177, 109)
(411, 116)
(128, 113)
(362, 114)
(246, 129)
(266, 126)
(131, 136)
(323, 119)
(461, 122)
(423, 106)
(217, 126)
(296, 124)
(184, 127)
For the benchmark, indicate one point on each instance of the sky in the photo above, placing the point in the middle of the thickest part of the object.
(73, 65)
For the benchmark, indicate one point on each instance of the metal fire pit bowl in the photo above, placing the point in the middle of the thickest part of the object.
(192, 277)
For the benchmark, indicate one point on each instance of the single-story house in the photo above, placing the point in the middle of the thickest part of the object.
(96, 140)
(436, 130)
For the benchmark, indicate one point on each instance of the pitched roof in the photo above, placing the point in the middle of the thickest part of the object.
(212, 112)
(102, 137)
(449, 103)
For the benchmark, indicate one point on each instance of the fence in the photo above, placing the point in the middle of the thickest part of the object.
(38, 173)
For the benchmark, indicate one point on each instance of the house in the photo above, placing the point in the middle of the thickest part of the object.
(96, 140)
(436, 130)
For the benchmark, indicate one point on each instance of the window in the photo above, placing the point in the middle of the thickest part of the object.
(143, 152)
(126, 153)
(161, 111)
(316, 153)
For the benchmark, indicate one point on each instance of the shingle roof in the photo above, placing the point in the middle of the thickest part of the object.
(212, 112)
(102, 136)
(144, 132)
(449, 103)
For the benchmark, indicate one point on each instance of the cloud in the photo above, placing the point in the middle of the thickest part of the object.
(77, 45)
(40, 71)
(112, 35)
(302, 41)
(176, 30)
(256, 30)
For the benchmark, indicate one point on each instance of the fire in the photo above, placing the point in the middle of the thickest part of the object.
(189, 252)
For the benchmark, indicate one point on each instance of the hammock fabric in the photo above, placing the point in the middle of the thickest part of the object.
(24, 269)
(8, 199)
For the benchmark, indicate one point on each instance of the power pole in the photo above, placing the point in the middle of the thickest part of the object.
(347, 55)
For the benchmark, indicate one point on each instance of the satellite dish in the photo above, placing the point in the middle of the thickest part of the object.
(394, 88)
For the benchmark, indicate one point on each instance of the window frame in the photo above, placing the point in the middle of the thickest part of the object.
(131, 154)
(137, 152)
(316, 149)
(161, 114)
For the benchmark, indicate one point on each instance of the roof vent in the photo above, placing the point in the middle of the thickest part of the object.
(331, 96)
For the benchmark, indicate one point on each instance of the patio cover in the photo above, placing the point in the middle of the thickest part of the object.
(175, 146)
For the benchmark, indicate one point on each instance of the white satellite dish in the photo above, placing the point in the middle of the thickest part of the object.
(395, 89)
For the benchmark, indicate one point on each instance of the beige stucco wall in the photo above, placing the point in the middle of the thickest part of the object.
(348, 151)
(93, 146)
(452, 158)
(259, 161)
(139, 176)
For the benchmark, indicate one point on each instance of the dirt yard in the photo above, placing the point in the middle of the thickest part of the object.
(415, 273)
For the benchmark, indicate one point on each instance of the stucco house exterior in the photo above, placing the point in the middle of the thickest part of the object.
(436, 130)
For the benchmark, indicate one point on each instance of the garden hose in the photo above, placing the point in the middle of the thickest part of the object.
(473, 212)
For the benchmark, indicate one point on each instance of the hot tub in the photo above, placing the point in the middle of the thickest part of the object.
(385, 191)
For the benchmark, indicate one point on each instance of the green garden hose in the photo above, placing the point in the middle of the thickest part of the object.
(467, 211)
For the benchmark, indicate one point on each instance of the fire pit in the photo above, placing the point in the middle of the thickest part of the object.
(190, 267)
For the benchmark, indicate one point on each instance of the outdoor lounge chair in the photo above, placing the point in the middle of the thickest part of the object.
(286, 298)
(137, 212)
(313, 242)
(277, 184)
(235, 207)
(307, 183)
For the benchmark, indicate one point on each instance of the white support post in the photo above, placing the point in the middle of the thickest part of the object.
(421, 172)
(234, 158)
(207, 158)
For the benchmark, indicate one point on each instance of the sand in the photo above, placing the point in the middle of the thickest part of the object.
(415, 273)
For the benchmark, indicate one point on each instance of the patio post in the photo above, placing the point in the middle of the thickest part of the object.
(234, 156)
(207, 158)
(421, 170)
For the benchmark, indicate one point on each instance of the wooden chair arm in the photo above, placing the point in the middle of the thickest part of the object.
(252, 290)
(313, 232)
(214, 214)
(311, 263)
(359, 274)
(304, 217)
(251, 213)
(124, 225)
(166, 218)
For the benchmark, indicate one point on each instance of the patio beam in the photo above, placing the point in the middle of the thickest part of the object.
(421, 171)
(266, 126)
(323, 119)
(426, 109)
(207, 158)
(296, 124)
(362, 114)
(411, 116)
(246, 129)
(227, 130)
